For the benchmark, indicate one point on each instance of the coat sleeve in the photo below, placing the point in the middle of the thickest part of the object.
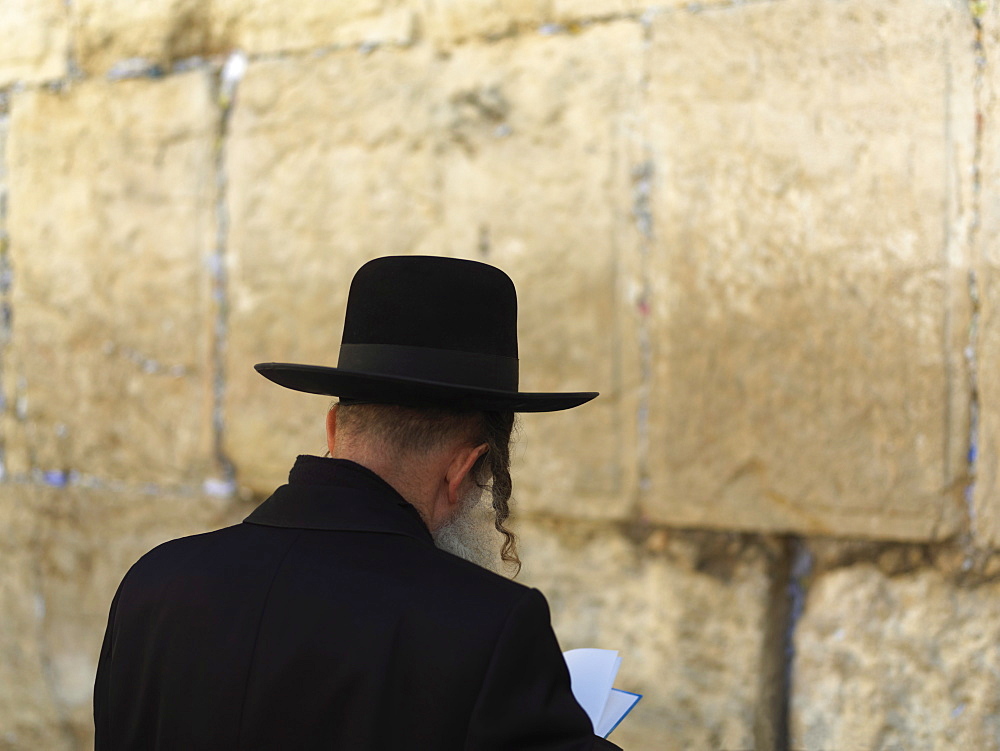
(102, 684)
(525, 701)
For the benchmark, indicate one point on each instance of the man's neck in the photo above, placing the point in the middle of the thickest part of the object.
(404, 478)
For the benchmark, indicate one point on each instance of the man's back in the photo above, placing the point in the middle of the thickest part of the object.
(329, 620)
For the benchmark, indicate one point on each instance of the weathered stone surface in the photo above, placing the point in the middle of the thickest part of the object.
(536, 180)
(457, 20)
(690, 627)
(338, 160)
(68, 550)
(35, 37)
(454, 21)
(263, 26)
(909, 662)
(986, 502)
(28, 716)
(574, 10)
(330, 164)
(112, 229)
(107, 31)
(161, 31)
(809, 186)
(88, 540)
(812, 165)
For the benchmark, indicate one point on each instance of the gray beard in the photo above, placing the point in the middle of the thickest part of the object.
(470, 534)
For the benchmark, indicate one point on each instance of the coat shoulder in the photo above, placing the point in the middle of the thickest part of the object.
(174, 557)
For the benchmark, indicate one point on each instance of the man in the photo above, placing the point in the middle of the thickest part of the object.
(329, 619)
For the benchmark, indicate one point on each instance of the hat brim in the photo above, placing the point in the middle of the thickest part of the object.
(318, 379)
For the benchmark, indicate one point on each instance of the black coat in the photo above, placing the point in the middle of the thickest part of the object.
(329, 620)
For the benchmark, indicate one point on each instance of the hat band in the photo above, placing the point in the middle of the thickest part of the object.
(472, 369)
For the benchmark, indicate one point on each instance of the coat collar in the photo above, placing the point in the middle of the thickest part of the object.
(336, 494)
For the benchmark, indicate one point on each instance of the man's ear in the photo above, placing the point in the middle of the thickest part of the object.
(459, 469)
(331, 429)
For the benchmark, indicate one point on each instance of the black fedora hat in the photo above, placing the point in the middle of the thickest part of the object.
(427, 331)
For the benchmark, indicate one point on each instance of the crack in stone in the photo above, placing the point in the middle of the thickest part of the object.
(642, 215)
(6, 278)
(973, 434)
(642, 186)
(770, 727)
(951, 186)
(73, 69)
(148, 365)
(972, 342)
(796, 584)
(68, 479)
(228, 82)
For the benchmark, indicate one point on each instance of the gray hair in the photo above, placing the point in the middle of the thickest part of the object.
(408, 430)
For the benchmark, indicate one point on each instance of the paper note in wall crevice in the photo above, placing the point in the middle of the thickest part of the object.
(592, 675)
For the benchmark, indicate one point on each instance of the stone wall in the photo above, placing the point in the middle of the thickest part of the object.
(767, 231)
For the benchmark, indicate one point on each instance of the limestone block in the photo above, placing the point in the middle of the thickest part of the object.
(568, 11)
(986, 347)
(337, 160)
(812, 166)
(908, 662)
(86, 541)
(690, 631)
(107, 31)
(536, 180)
(330, 164)
(35, 37)
(264, 26)
(450, 21)
(112, 229)
(28, 717)
(457, 20)
(64, 552)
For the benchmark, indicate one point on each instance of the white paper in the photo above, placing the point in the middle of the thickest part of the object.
(592, 674)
